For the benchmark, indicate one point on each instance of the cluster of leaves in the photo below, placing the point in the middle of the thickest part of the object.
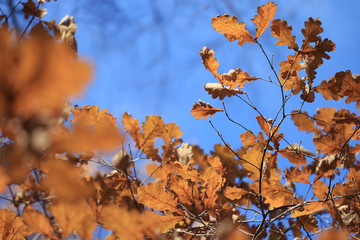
(280, 209)
(49, 150)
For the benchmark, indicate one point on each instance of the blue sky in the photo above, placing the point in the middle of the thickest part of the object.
(146, 58)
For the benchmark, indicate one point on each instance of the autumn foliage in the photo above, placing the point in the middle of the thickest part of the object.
(50, 150)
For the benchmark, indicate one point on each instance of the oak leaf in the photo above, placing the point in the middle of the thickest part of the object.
(289, 74)
(125, 224)
(162, 222)
(204, 110)
(232, 29)
(155, 196)
(303, 121)
(187, 192)
(236, 78)
(274, 192)
(37, 222)
(210, 62)
(282, 31)
(297, 175)
(26, 68)
(269, 129)
(265, 14)
(309, 222)
(213, 182)
(11, 226)
(93, 130)
(320, 190)
(74, 217)
(234, 192)
(311, 208)
(311, 31)
(217, 90)
(344, 84)
(293, 156)
(216, 164)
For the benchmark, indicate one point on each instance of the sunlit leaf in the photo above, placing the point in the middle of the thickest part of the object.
(11, 226)
(232, 29)
(204, 110)
(282, 31)
(265, 14)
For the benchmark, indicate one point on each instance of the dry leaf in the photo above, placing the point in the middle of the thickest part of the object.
(203, 110)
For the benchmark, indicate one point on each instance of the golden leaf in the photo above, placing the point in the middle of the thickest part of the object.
(210, 62)
(236, 78)
(274, 192)
(213, 182)
(308, 209)
(217, 90)
(11, 226)
(37, 222)
(232, 29)
(297, 175)
(74, 217)
(155, 196)
(25, 70)
(234, 192)
(265, 14)
(293, 156)
(203, 110)
(282, 31)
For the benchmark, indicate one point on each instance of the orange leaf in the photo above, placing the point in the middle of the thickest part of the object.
(268, 128)
(74, 217)
(163, 222)
(187, 192)
(320, 190)
(236, 78)
(289, 74)
(253, 157)
(234, 192)
(216, 164)
(26, 68)
(125, 224)
(293, 156)
(303, 121)
(213, 182)
(265, 14)
(344, 84)
(282, 31)
(274, 192)
(37, 222)
(296, 175)
(92, 130)
(308, 209)
(132, 127)
(183, 170)
(203, 110)
(210, 62)
(11, 226)
(311, 31)
(232, 29)
(217, 90)
(63, 180)
(154, 196)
